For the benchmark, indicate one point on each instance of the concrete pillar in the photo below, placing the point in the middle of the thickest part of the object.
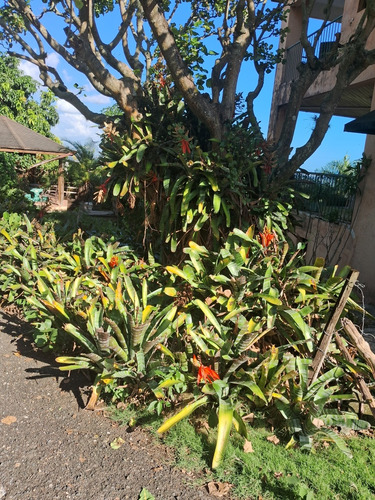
(363, 224)
(281, 90)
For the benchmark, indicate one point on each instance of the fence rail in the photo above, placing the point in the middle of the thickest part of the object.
(330, 196)
(296, 53)
(70, 192)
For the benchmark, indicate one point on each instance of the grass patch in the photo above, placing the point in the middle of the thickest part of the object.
(273, 472)
(270, 471)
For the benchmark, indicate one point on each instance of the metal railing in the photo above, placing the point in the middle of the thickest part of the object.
(329, 196)
(296, 53)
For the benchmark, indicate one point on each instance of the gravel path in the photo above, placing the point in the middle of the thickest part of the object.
(50, 448)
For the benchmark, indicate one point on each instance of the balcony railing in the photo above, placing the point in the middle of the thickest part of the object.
(330, 196)
(296, 53)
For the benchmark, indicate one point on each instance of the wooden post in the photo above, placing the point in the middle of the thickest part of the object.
(361, 384)
(331, 325)
(359, 342)
(60, 184)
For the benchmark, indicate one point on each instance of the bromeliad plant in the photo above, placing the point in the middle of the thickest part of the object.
(254, 314)
(234, 329)
(101, 297)
(190, 188)
(308, 410)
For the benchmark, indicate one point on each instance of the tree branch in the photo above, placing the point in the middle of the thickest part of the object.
(200, 106)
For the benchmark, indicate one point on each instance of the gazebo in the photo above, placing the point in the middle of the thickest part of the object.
(16, 138)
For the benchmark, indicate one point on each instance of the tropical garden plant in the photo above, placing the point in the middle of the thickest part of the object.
(190, 187)
(227, 331)
(23, 102)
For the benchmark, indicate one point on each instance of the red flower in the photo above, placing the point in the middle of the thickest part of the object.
(113, 262)
(103, 187)
(154, 177)
(267, 168)
(205, 373)
(185, 146)
(266, 237)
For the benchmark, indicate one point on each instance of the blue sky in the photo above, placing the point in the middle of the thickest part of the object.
(73, 126)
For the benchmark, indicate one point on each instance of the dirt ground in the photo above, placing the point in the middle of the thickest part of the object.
(51, 448)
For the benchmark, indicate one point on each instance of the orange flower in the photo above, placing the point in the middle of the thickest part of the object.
(185, 146)
(113, 262)
(205, 373)
(266, 237)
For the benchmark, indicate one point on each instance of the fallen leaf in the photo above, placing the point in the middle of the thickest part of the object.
(248, 447)
(69, 431)
(273, 439)
(145, 495)
(18, 354)
(218, 489)
(82, 459)
(325, 444)
(248, 418)
(318, 422)
(117, 443)
(9, 420)
(277, 475)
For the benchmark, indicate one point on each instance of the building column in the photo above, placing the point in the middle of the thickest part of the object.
(364, 223)
(281, 90)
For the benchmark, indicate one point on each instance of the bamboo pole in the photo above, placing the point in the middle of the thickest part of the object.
(361, 384)
(359, 342)
(331, 325)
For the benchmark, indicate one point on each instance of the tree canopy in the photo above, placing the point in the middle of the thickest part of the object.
(202, 56)
(18, 99)
(21, 102)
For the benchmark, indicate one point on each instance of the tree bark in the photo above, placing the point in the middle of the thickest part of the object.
(199, 104)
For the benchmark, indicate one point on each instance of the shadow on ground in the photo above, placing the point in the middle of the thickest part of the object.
(76, 382)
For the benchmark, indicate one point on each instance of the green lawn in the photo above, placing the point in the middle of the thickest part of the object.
(271, 471)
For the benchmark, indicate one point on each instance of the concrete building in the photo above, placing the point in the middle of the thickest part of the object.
(354, 244)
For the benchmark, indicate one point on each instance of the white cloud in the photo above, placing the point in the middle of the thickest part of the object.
(66, 75)
(98, 99)
(30, 69)
(73, 126)
(53, 59)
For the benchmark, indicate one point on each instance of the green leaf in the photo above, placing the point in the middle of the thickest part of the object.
(140, 152)
(146, 495)
(216, 203)
(117, 443)
(117, 189)
(254, 388)
(242, 235)
(185, 412)
(268, 298)
(296, 321)
(225, 423)
(208, 313)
